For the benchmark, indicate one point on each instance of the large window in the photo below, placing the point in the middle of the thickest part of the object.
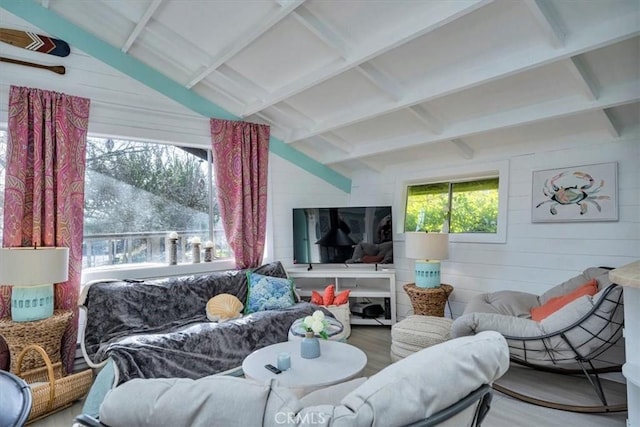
(136, 193)
(461, 207)
(469, 202)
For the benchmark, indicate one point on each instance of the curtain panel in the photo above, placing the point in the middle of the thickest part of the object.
(241, 156)
(44, 188)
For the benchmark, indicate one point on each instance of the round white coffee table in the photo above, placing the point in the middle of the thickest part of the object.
(338, 362)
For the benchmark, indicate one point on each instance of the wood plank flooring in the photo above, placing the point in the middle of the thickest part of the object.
(375, 341)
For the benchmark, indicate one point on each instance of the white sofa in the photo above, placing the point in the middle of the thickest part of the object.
(409, 391)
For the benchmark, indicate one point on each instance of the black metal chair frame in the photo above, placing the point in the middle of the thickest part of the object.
(584, 361)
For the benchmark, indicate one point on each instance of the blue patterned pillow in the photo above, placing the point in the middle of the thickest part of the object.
(268, 293)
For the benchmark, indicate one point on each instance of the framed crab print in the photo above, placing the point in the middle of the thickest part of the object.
(579, 193)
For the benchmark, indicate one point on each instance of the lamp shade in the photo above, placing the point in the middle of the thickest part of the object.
(427, 249)
(421, 245)
(32, 273)
(33, 266)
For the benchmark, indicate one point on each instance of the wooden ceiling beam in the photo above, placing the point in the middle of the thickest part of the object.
(417, 28)
(245, 40)
(144, 20)
(381, 80)
(620, 95)
(548, 20)
(322, 30)
(449, 84)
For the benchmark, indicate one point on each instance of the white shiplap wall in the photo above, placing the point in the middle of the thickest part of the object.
(537, 256)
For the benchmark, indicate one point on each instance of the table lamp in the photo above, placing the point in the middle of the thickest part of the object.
(32, 273)
(427, 249)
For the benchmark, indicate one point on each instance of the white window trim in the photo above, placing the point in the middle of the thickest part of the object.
(457, 174)
(151, 271)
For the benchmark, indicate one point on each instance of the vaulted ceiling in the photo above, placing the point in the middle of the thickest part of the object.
(363, 84)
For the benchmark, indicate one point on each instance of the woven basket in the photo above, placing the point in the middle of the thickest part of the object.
(49, 333)
(428, 301)
(343, 314)
(50, 389)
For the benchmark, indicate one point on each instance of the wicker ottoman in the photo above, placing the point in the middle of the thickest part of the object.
(417, 332)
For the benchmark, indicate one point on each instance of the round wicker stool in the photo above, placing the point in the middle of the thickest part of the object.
(417, 332)
(428, 301)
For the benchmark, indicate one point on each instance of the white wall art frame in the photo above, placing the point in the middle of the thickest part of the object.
(578, 193)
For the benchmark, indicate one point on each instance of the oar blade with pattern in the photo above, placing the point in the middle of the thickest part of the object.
(35, 42)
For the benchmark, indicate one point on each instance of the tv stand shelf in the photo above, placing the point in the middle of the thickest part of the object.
(363, 283)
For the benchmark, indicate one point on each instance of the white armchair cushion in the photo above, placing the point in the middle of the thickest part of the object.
(216, 400)
(512, 303)
(404, 392)
(425, 382)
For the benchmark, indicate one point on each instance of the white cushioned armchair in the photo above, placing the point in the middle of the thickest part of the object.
(582, 329)
(575, 338)
(423, 388)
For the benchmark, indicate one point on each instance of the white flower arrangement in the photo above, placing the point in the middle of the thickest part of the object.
(317, 324)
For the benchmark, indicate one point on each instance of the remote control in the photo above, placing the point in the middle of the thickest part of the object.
(273, 369)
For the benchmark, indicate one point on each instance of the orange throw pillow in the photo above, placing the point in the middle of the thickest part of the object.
(554, 304)
(342, 297)
(316, 298)
(329, 294)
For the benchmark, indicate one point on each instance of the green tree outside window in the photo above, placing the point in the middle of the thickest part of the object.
(468, 207)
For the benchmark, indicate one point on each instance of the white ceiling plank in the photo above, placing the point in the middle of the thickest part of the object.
(621, 95)
(381, 80)
(411, 31)
(155, 4)
(340, 144)
(428, 119)
(548, 21)
(582, 75)
(322, 30)
(593, 38)
(465, 150)
(610, 124)
(246, 39)
(275, 127)
(293, 114)
(240, 81)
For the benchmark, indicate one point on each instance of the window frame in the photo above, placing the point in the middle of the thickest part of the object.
(459, 174)
(151, 270)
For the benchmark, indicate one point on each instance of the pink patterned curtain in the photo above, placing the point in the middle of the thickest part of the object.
(44, 188)
(241, 156)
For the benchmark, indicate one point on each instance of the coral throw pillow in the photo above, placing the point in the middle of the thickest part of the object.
(329, 294)
(554, 304)
(316, 298)
(342, 297)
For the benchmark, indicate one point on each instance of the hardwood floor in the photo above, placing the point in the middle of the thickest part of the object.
(375, 341)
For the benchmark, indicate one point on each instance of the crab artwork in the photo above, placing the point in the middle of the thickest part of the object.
(581, 195)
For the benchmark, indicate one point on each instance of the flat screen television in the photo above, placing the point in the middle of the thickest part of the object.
(343, 235)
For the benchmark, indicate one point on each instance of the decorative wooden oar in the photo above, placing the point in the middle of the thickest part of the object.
(35, 42)
(59, 69)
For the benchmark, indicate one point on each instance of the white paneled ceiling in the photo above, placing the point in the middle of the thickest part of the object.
(362, 84)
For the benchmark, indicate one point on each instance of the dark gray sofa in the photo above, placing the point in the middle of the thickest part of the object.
(159, 329)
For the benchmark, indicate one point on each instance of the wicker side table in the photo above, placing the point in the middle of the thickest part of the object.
(428, 301)
(47, 333)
